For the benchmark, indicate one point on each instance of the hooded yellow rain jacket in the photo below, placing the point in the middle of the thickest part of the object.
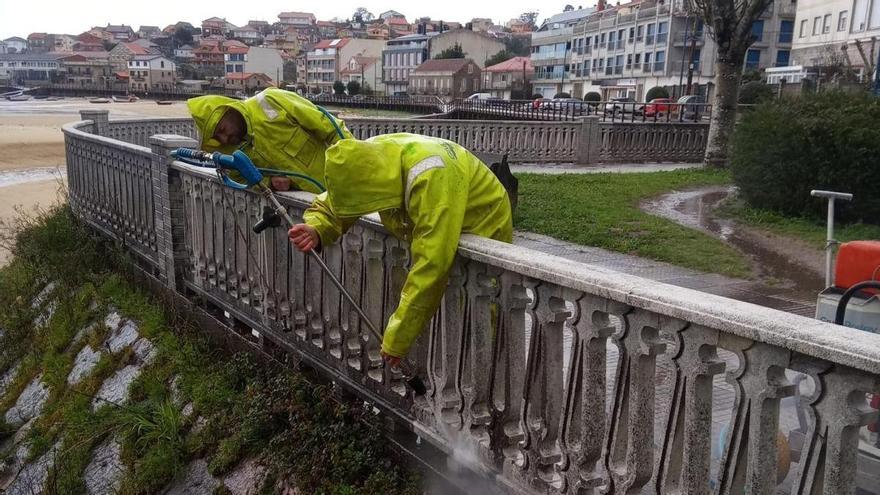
(427, 191)
(284, 131)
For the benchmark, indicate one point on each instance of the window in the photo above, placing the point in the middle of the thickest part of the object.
(874, 21)
(662, 32)
(649, 37)
(826, 24)
(841, 20)
(816, 24)
(753, 59)
(162, 64)
(803, 32)
(659, 60)
(632, 34)
(786, 30)
(638, 58)
(860, 15)
(782, 57)
(758, 30)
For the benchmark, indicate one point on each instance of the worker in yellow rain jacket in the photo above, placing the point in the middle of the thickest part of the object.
(427, 191)
(277, 129)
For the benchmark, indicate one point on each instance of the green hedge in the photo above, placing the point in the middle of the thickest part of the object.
(783, 149)
(656, 92)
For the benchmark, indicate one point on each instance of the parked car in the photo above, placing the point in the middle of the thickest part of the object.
(692, 108)
(623, 105)
(478, 96)
(571, 106)
(659, 107)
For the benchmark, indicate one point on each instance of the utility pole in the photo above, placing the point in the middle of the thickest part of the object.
(687, 26)
(691, 58)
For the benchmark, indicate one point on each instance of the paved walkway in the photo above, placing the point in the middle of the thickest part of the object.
(742, 290)
(573, 168)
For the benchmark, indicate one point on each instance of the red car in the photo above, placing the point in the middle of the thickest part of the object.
(659, 107)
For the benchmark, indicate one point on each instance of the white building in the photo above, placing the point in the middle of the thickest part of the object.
(367, 71)
(299, 19)
(626, 50)
(550, 51)
(824, 27)
(16, 44)
(325, 61)
(184, 52)
(150, 73)
(400, 58)
(254, 60)
(30, 67)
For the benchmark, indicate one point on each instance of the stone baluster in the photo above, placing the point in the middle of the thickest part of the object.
(838, 409)
(332, 302)
(296, 283)
(544, 387)
(480, 333)
(585, 403)
(353, 271)
(631, 453)
(446, 348)
(508, 375)
(374, 301)
(686, 453)
(396, 271)
(749, 461)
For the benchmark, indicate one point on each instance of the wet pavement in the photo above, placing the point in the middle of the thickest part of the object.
(742, 290)
(771, 263)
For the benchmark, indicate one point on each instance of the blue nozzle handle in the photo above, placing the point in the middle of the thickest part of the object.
(237, 161)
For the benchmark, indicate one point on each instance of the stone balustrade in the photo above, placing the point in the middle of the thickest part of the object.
(587, 141)
(546, 375)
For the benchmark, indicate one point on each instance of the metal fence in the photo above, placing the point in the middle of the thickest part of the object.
(547, 374)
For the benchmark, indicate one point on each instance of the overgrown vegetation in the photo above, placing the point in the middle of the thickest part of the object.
(250, 410)
(603, 210)
(783, 149)
(656, 92)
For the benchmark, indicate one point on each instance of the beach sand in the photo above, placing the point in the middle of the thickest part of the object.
(31, 137)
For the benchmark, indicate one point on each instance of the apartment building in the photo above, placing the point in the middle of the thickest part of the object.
(16, 44)
(327, 58)
(626, 50)
(551, 45)
(297, 18)
(150, 73)
(87, 69)
(824, 27)
(400, 58)
(22, 68)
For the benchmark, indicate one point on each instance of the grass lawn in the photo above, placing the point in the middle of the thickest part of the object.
(602, 210)
(807, 229)
(346, 112)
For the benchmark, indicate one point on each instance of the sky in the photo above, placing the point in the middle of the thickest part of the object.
(22, 17)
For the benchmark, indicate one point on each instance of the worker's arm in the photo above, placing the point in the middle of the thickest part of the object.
(436, 207)
(327, 224)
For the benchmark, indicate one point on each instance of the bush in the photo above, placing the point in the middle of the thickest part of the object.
(537, 96)
(562, 95)
(339, 88)
(656, 92)
(592, 96)
(785, 148)
(755, 92)
(354, 88)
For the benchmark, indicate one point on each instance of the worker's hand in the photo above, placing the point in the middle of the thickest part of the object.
(392, 361)
(280, 183)
(304, 237)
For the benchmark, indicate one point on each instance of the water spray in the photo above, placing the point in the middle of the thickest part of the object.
(272, 215)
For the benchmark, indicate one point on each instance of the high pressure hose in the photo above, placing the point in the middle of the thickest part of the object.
(844, 299)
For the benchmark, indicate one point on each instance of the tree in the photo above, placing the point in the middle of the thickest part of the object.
(366, 89)
(656, 92)
(729, 23)
(529, 18)
(518, 46)
(455, 51)
(568, 8)
(353, 87)
(499, 57)
(754, 92)
(339, 88)
(362, 15)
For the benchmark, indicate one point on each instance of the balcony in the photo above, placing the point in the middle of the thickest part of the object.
(649, 39)
(661, 38)
(619, 45)
(618, 70)
(785, 37)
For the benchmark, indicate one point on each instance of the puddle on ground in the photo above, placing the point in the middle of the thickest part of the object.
(696, 208)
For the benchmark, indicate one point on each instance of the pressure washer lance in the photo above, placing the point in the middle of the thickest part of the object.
(241, 163)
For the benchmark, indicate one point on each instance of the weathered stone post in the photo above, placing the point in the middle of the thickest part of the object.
(101, 118)
(168, 205)
(588, 141)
